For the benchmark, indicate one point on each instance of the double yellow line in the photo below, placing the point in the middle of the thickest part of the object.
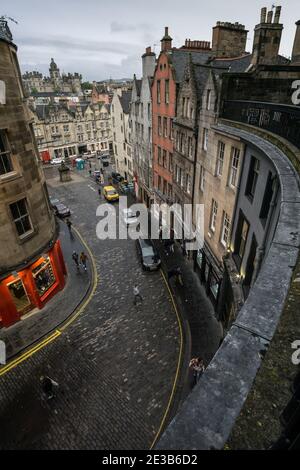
(58, 332)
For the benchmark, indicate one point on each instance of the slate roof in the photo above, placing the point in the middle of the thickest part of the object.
(235, 65)
(125, 101)
(180, 57)
(49, 94)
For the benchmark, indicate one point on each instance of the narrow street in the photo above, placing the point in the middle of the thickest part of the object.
(115, 364)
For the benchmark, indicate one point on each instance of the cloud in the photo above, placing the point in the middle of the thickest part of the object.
(116, 27)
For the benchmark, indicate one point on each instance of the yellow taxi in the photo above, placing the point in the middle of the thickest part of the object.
(110, 193)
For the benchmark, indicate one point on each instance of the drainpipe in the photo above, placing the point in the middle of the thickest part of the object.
(261, 250)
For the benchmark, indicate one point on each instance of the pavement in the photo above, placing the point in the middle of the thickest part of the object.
(115, 364)
(203, 330)
(38, 323)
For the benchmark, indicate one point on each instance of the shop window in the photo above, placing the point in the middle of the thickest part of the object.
(19, 296)
(214, 285)
(43, 276)
(5, 161)
(21, 217)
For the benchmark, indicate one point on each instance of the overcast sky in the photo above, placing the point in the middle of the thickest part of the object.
(106, 38)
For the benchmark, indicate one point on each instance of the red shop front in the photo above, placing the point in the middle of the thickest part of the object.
(32, 287)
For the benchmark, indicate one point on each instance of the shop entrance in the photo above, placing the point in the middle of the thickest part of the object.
(20, 297)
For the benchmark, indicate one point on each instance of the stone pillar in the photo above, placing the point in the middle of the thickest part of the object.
(64, 173)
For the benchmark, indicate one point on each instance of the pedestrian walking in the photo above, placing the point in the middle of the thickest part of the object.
(99, 192)
(90, 172)
(48, 386)
(137, 295)
(83, 260)
(75, 259)
(69, 224)
(197, 366)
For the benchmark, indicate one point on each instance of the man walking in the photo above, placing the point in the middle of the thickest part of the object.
(48, 385)
(75, 259)
(137, 295)
(83, 259)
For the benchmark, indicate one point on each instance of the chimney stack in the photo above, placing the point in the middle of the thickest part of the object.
(148, 63)
(267, 37)
(229, 39)
(296, 46)
(166, 41)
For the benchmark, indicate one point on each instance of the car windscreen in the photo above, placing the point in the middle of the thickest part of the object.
(147, 251)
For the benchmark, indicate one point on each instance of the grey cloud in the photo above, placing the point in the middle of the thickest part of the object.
(116, 27)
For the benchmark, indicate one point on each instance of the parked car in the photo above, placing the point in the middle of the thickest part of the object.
(61, 210)
(110, 193)
(57, 161)
(53, 202)
(129, 217)
(148, 254)
(116, 177)
(126, 187)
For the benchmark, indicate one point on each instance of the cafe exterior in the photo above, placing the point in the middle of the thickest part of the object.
(32, 287)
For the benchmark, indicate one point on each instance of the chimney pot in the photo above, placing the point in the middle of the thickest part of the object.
(270, 16)
(277, 14)
(166, 30)
(263, 15)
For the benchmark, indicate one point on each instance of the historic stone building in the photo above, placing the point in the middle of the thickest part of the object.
(35, 82)
(121, 133)
(140, 124)
(66, 129)
(100, 94)
(32, 268)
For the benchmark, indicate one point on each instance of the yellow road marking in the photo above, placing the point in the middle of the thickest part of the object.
(58, 332)
(29, 353)
(178, 364)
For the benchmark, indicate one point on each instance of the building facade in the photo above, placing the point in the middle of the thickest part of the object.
(140, 124)
(67, 129)
(34, 82)
(121, 133)
(32, 268)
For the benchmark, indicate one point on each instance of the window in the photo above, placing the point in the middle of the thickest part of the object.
(170, 162)
(149, 111)
(158, 91)
(187, 108)
(164, 158)
(183, 107)
(149, 134)
(181, 178)
(19, 295)
(5, 162)
(165, 127)
(159, 155)
(167, 91)
(252, 177)
(188, 184)
(208, 99)
(225, 230)
(177, 174)
(213, 217)
(202, 176)
(220, 158)
(205, 139)
(66, 128)
(243, 239)
(190, 147)
(171, 135)
(43, 276)
(265, 207)
(235, 156)
(159, 125)
(21, 217)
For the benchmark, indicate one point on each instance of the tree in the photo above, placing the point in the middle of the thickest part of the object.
(87, 86)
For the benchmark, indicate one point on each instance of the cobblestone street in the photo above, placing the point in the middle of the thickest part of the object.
(115, 364)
